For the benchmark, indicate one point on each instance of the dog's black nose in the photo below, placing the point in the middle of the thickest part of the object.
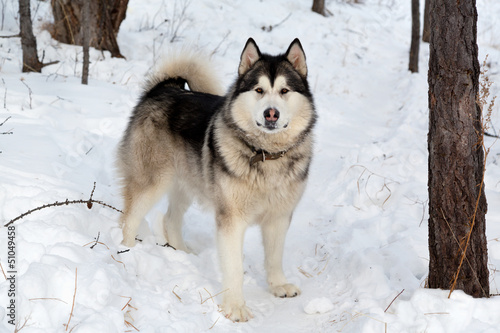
(271, 115)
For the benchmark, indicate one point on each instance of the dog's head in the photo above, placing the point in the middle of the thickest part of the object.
(272, 93)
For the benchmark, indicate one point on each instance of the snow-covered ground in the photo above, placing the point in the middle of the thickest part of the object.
(358, 238)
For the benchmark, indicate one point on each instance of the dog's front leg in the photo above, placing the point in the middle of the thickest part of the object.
(273, 235)
(230, 235)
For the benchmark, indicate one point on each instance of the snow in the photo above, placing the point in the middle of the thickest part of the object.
(357, 245)
(318, 305)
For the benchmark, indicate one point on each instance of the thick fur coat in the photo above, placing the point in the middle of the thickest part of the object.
(245, 153)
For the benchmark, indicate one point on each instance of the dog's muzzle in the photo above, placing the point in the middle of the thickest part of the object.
(271, 116)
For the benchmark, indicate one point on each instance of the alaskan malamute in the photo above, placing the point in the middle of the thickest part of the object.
(247, 153)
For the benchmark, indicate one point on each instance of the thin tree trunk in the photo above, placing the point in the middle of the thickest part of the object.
(319, 7)
(415, 36)
(85, 41)
(426, 34)
(457, 203)
(28, 40)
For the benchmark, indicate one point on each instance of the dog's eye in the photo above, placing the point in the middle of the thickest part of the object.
(284, 91)
(259, 90)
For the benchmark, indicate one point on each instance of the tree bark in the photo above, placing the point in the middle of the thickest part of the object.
(85, 41)
(457, 203)
(319, 7)
(104, 22)
(415, 36)
(28, 40)
(426, 34)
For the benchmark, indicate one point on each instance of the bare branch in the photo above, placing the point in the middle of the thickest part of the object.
(88, 202)
(5, 120)
(29, 91)
(8, 132)
(393, 300)
(98, 235)
(271, 27)
(11, 36)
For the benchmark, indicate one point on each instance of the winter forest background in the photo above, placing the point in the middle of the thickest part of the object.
(357, 245)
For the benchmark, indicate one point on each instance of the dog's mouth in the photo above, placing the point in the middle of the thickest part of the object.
(270, 125)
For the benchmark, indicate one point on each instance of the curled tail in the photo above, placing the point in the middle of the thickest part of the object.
(193, 67)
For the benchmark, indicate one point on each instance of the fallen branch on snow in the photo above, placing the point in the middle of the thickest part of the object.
(1, 124)
(88, 202)
(387, 308)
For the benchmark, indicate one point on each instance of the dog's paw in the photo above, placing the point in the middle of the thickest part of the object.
(285, 290)
(236, 313)
(180, 247)
(128, 242)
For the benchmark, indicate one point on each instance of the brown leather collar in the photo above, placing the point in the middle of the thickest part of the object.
(262, 156)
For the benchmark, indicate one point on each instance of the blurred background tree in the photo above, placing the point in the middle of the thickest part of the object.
(103, 23)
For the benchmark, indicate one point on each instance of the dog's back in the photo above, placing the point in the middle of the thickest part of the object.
(165, 134)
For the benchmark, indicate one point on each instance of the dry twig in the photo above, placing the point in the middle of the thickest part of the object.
(47, 299)
(214, 323)
(88, 202)
(212, 297)
(11, 36)
(1, 124)
(118, 261)
(178, 297)
(98, 234)
(74, 297)
(129, 324)
(128, 305)
(29, 91)
(393, 300)
(387, 181)
(3, 272)
(271, 27)
(17, 329)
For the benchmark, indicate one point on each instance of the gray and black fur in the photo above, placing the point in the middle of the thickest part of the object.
(245, 153)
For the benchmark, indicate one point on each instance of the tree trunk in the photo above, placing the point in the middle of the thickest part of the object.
(28, 40)
(85, 41)
(415, 36)
(457, 203)
(105, 19)
(319, 7)
(426, 34)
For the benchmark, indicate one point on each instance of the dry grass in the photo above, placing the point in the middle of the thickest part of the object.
(128, 316)
(3, 272)
(74, 298)
(210, 296)
(482, 101)
(18, 328)
(383, 188)
(173, 292)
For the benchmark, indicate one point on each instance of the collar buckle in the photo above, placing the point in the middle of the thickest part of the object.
(262, 156)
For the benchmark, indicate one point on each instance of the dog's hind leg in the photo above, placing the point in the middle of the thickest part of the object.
(138, 201)
(273, 236)
(178, 203)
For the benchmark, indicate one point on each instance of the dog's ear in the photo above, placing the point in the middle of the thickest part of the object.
(295, 54)
(249, 56)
